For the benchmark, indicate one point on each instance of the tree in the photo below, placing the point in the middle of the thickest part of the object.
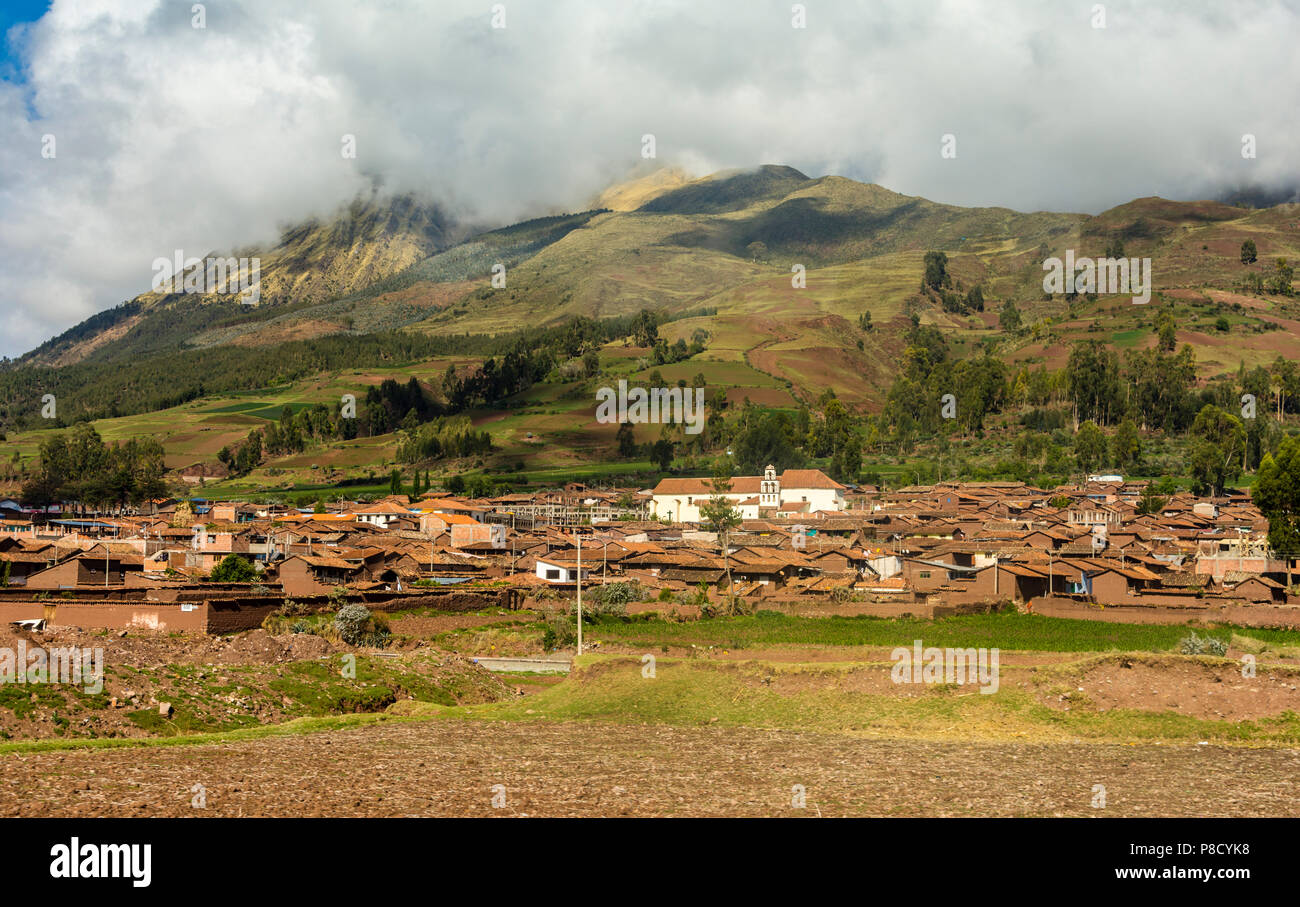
(1115, 248)
(1277, 494)
(233, 569)
(846, 462)
(1009, 318)
(717, 515)
(767, 439)
(1126, 446)
(626, 441)
(1094, 381)
(1089, 446)
(1283, 274)
(1166, 330)
(1218, 450)
(1249, 254)
(936, 270)
(1149, 502)
(645, 329)
(661, 454)
(1284, 376)
(756, 251)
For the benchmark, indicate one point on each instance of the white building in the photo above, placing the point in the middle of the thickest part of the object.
(794, 493)
(557, 570)
(382, 514)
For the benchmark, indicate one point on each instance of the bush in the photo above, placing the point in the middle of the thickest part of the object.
(374, 699)
(608, 601)
(352, 623)
(560, 631)
(619, 593)
(1195, 645)
(291, 608)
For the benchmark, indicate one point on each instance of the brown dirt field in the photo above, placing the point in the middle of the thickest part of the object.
(144, 649)
(450, 768)
(230, 682)
(282, 333)
(1190, 688)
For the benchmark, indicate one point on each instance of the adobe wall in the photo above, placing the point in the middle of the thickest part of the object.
(113, 615)
(235, 615)
(21, 610)
(1205, 611)
(460, 600)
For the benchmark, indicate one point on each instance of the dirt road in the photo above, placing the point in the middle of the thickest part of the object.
(451, 768)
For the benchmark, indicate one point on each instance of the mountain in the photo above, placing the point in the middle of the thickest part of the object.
(389, 288)
(314, 261)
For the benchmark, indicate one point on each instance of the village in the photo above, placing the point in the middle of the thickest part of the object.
(805, 544)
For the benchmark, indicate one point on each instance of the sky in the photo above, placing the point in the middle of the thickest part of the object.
(127, 131)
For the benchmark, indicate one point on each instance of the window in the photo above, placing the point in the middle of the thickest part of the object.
(924, 574)
(552, 574)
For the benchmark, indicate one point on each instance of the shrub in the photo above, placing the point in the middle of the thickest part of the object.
(374, 699)
(291, 608)
(1196, 645)
(559, 631)
(352, 623)
(608, 601)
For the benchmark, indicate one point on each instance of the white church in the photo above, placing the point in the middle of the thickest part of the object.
(796, 492)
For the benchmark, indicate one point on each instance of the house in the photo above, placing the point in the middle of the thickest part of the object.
(794, 492)
(473, 534)
(92, 568)
(560, 569)
(383, 514)
(310, 574)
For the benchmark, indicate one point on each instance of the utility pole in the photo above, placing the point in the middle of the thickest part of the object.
(578, 539)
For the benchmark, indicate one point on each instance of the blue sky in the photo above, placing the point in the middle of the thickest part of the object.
(14, 12)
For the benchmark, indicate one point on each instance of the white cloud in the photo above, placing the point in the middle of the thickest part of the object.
(171, 137)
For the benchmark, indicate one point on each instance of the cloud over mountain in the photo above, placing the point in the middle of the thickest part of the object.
(168, 136)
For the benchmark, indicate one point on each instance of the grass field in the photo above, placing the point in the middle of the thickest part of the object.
(840, 699)
(1011, 631)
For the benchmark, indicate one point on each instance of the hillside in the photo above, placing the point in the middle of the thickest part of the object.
(389, 289)
(314, 261)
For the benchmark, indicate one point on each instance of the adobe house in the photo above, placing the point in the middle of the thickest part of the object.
(87, 570)
(24, 561)
(1114, 584)
(1253, 588)
(306, 574)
